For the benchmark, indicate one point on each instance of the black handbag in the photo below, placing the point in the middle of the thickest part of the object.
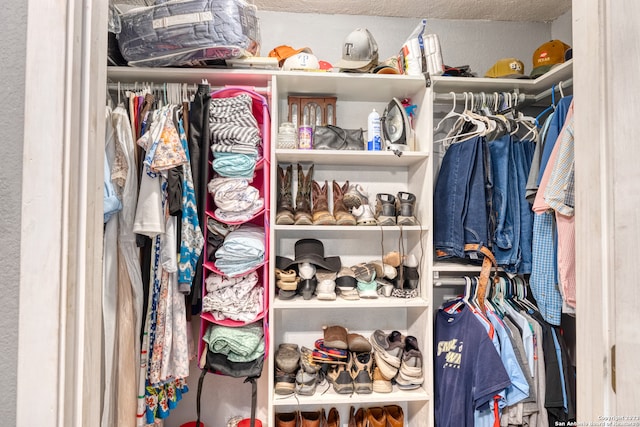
(332, 137)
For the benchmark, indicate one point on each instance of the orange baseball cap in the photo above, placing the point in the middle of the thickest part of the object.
(283, 52)
(547, 55)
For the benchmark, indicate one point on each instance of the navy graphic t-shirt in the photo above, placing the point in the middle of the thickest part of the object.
(468, 368)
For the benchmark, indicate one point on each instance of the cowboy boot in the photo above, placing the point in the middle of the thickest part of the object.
(376, 417)
(333, 418)
(395, 415)
(320, 210)
(286, 419)
(284, 215)
(311, 418)
(340, 211)
(303, 198)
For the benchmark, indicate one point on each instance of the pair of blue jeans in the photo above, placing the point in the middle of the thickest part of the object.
(511, 241)
(506, 209)
(524, 158)
(460, 199)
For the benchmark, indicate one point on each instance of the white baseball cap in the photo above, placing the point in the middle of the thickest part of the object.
(359, 50)
(301, 61)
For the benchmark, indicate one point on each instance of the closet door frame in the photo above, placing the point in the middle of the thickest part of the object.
(60, 315)
(607, 205)
(62, 211)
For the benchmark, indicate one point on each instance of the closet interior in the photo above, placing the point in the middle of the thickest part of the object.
(449, 112)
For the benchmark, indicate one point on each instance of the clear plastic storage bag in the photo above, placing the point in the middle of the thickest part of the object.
(188, 32)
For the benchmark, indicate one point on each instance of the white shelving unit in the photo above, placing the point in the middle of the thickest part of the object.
(299, 321)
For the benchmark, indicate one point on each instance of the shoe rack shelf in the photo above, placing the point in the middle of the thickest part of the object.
(331, 398)
(300, 321)
(351, 158)
(299, 303)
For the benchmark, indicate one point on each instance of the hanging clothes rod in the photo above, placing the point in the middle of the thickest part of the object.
(521, 97)
(562, 85)
(450, 281)
(441, 98)
(189, 87)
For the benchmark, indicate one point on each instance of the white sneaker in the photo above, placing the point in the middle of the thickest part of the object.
(364, 215)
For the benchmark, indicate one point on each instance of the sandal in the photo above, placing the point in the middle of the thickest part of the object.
(331, 352)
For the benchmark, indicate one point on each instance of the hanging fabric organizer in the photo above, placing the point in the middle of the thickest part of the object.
(234, 336)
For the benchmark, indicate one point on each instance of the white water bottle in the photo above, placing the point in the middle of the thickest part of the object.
(373, 131)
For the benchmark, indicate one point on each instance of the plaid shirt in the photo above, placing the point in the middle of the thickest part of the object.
(555, 192)
(544, 271)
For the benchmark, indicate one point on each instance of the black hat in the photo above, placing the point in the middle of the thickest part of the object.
(312, 251)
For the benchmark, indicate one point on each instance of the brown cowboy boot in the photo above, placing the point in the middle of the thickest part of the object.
(376, 417)
(321, 214)
(303, 197)
(286, 419)
(312, 419)
(333, 419)
(395, 415)
(340, 211)
(356, 418)
(284, 215)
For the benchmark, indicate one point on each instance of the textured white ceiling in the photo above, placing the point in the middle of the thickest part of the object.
(495, 10)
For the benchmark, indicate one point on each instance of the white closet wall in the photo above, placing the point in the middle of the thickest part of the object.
(562, 28)
(476, 43)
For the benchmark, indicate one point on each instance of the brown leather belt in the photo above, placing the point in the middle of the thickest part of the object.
(488, 261)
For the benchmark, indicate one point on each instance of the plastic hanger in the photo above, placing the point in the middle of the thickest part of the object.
(498, 120)
(451, 114)
(481, 112)
(522, 291)
(529, 124)
(462, 301)
(497, 299)
(455, 137)
(549, 109)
